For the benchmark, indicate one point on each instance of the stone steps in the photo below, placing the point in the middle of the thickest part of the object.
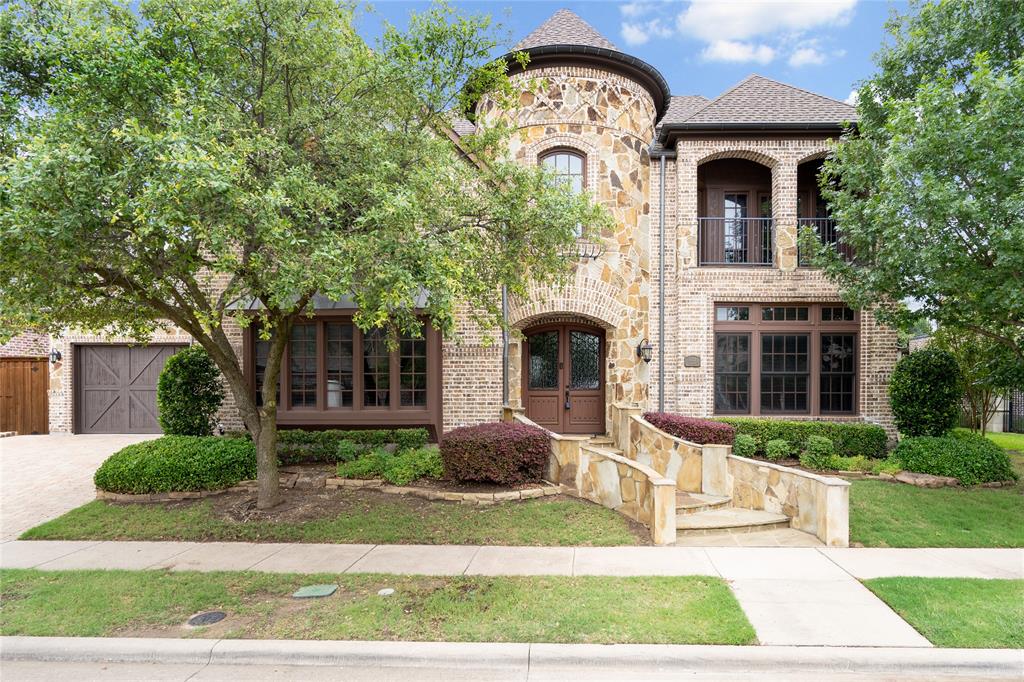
(729, 520)
(695, 503)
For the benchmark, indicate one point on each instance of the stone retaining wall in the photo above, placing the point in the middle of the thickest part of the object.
(819, 505)
(630, 488)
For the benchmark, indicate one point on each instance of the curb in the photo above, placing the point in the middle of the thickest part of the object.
(547, 659)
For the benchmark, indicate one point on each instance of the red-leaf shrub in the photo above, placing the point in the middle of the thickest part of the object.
(507, 454)
(695, 430)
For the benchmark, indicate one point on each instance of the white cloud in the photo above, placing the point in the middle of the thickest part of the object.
(851, 99)
(636, 9)
(736, 51)
(714, 20)
(640, 32)
(806, 55)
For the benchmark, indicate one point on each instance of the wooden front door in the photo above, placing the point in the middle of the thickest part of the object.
(23, 401)
(115, 388)
(563, 377)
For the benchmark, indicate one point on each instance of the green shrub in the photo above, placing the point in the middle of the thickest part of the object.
(177, 464)
(744, 446)
(370, 465)
(411, 465)
(890, 466)
(189, 393)
(295, 446)
(777, 449)
(348, 451)
(966, 456)
(925, 392)
(858, 463)
(850, 438)
(819, 453)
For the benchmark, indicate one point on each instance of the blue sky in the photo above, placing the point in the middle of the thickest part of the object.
(703, 47)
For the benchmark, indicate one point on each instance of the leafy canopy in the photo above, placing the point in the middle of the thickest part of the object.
(198, 155)
(929, 191)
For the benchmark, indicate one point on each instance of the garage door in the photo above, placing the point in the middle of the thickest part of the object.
(116, 388)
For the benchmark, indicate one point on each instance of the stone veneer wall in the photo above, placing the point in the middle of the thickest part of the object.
(819, 505)
(609, 119)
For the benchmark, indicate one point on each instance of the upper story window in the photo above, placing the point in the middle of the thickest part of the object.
(568, 166)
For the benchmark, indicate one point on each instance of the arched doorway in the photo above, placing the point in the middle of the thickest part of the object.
(563, 377)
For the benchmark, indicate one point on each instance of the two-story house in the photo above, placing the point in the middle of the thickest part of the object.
(697, 302)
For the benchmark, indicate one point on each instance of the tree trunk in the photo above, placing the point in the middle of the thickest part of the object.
(269, 492)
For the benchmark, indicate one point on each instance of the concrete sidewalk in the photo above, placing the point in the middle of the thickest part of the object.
(792, 596)
(170, 659)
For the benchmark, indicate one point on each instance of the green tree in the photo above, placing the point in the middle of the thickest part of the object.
(989, 368)
(196, 158)
(929, 189)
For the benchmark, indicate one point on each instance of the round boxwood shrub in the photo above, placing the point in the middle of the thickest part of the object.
(966, 456)
(925, 392)
(506, 454)
(777, 449)
(178, 464)
(744, 445)
(189, 393)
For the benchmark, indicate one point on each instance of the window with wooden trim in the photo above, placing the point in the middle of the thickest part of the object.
(330, 367)
(798, 359)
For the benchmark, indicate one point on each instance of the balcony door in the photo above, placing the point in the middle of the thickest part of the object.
(563, 377)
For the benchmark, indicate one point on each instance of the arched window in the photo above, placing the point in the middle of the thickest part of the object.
(568, 166)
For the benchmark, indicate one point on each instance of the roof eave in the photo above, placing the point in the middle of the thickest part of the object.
(669, 130)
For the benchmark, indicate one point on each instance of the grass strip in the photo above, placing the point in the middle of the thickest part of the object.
(958, 612)
(677, 610)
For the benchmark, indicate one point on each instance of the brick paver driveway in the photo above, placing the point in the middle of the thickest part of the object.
(44, 476)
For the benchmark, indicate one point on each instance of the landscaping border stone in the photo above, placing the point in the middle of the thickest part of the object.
(481, 499)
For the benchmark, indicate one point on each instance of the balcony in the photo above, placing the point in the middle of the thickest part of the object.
(827, 232)
(735, 241)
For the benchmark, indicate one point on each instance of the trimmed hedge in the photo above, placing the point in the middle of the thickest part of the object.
(189, 393)
(819, 453)
(174, 464)
(849, 438)
(502, 453)
(744, 445)
(296, 446)
(777, 449)
(925, 391)
(700, 431)
(967, 456)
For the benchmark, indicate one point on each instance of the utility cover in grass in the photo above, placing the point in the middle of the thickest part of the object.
(315, 591)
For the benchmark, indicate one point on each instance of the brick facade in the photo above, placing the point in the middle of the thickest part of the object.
(27, 345)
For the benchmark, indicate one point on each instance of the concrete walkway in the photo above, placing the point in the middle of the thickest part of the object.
(792, 596)
(42, 477)
(48, 658)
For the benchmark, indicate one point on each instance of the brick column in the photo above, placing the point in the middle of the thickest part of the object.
(686, 212)
(784, 213)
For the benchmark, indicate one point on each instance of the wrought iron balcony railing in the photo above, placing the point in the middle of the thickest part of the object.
(826, 230)
(735, 241)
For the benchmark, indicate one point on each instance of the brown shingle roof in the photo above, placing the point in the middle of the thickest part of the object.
(681, 107)
(757, 99)
(564, 28)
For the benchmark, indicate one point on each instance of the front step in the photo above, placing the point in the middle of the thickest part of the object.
(731, 520)
(601, 441)
(695, 503)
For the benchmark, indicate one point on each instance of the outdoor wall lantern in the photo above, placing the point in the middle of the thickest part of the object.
(645, 351)
(54, 356)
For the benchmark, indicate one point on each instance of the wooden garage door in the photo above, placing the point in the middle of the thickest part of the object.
(23, 402)
(116, 388)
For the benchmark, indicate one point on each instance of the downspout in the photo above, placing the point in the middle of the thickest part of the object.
(504, 346)
(661, 287)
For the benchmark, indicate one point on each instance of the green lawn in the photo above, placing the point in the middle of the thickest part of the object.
(365, 518)
(677, 610)
(885, 514)
(958, 612)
